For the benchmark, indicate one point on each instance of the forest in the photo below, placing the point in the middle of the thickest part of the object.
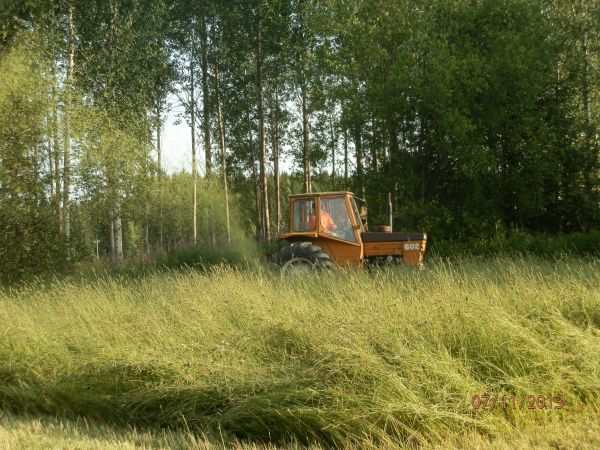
(480, 117)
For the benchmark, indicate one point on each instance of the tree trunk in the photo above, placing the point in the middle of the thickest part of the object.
(394, 146)
(147, 239)
(305, 148)
(333, 145)
(374, 147)
(345, 158)
(206, 100)
(118, 230)
(56, 151)
(113, 172)
(275, 144)
(259, 215)
(112, 236)
(587, 108)
(193, 131)
(50, 156)
(359, 155)
(223, 152)
(255, 181)
(160, 179)
(261, 136)
(67, 130)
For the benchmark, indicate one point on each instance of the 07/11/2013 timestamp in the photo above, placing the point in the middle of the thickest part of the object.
(523, 402)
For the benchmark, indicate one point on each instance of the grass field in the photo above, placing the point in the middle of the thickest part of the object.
(346, 359)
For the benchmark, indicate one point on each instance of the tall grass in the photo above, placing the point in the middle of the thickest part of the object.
(341, 359)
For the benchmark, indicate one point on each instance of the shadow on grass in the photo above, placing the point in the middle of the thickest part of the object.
(154, 397)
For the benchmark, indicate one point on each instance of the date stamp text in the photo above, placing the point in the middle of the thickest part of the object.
(522, 402)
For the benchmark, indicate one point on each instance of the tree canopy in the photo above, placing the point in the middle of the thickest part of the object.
(480, 117)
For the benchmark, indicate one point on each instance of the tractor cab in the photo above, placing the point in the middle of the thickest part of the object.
(333, 215)
(329, 228)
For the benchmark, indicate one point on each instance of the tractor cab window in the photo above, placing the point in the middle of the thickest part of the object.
(304, 212)
(335, 219)
(356, 213)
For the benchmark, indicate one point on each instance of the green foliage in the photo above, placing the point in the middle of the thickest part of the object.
(314, 359)
(477, 124)
(28, 242)
(521, 243)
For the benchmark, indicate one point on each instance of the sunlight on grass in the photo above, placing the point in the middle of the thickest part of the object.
(344, 358)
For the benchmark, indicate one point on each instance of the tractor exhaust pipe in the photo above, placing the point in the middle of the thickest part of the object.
(389, 211)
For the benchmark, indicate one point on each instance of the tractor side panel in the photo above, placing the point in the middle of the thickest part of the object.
(411, 251)
(344, 254)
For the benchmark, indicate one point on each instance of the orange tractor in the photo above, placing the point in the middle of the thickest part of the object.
(330, 228)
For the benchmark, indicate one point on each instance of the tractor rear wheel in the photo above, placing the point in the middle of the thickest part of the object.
(302, 257)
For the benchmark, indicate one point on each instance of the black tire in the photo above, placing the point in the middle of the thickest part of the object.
(304, 255)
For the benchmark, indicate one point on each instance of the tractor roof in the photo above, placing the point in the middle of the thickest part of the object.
(318, 194)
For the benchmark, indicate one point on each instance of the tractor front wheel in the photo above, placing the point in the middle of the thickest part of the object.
(302, 257)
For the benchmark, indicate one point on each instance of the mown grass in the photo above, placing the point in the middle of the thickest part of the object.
(342, 359)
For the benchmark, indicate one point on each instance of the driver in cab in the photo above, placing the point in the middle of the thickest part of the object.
(326, 221)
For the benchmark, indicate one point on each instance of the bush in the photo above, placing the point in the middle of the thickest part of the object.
(521, 243)
(202, 257)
